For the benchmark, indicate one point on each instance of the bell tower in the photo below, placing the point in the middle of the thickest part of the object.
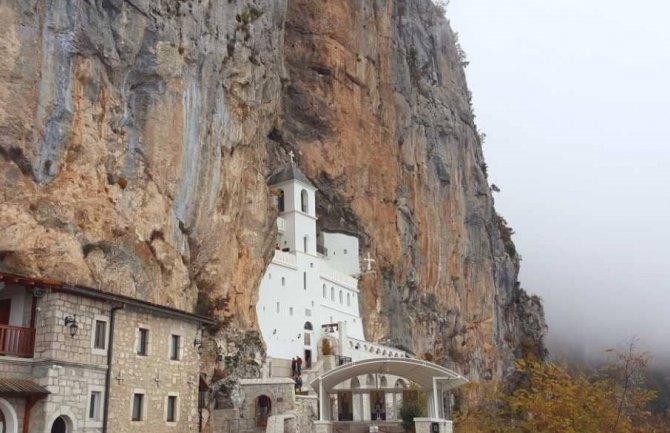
(297, 209)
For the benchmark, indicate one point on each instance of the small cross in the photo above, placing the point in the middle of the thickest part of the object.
(291, 155)
(158, 379)
(119, 378)
(369, 260)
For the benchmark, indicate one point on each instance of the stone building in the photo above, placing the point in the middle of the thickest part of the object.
(76, 359)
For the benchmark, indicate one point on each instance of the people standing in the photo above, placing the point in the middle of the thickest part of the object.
(299, 365)
(294, 366)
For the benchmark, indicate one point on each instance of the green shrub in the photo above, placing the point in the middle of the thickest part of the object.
(409, 411)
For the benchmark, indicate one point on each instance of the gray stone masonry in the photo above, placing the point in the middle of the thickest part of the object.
(155, 375)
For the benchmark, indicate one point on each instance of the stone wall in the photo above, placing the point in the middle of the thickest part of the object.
(70, 388)
(307, 409)
(281, 392)
(155, 375)
(53, 341)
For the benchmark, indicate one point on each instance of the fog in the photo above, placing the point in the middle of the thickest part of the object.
(573, 96)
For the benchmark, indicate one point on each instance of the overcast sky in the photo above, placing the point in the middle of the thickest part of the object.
(574, 96)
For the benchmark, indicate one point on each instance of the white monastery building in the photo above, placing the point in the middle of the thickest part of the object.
(309, 293)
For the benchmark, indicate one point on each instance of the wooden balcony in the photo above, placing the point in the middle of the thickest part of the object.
(17, 341)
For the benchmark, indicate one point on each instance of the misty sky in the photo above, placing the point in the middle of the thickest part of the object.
(574, 96)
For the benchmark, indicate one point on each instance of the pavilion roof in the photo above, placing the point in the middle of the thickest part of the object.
(418, 371)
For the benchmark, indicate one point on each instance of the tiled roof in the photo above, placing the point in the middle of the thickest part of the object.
(20, 388)
(290, 172)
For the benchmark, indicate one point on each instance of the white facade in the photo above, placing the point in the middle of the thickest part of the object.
(306, 297)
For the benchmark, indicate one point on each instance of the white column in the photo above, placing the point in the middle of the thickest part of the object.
(322, 400)
(436, 406)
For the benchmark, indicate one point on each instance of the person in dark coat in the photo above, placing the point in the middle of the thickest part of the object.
(294, 366)
(298, 364)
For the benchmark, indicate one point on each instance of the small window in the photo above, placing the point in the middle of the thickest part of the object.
(138, 407)
(305, 244)
(175, 343)
(283, 281)
(171, 415)
(345, 251)
(290, 311)
(280, 200)
(304, 280)
(325, 291)
(94, 405)
(278, 307)
(308, 339)
(142, 341)
(332, 294)
(304, 205)
(348, 300)
(100, 338)
(308, 312)
(341, 298)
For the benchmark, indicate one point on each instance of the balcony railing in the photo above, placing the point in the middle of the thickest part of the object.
(285, 258)
(17, 341)
(338, 277)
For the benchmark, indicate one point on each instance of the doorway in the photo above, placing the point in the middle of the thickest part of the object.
(59, 425)
(263, 410)
(308, 358)
(5, 310)
(378, 405)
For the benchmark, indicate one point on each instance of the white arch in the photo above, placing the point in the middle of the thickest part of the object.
(11, 421)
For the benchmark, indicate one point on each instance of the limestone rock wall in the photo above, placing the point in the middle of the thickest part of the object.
(133, 145)
(135, 138)
(379, 112)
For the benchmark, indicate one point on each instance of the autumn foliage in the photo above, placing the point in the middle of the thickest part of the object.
(551, 399)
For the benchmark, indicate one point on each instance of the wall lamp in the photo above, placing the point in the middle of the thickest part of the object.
(197, 342)
(71, 323)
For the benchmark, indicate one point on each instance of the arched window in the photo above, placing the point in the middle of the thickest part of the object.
(308, 326)
(382, 382)
(348, 300)
(304, 201)
(341, 297)
(305, 243)
(400, 384)
(325, 291)
(369, 380)
(332, 294)
(280, 200)
(355, 384)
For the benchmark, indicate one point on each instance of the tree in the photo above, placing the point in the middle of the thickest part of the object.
(552, 400)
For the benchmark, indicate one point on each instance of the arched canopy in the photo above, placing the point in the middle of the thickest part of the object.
(415, 370)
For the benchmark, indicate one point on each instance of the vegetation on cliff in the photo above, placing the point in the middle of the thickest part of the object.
(616, 398)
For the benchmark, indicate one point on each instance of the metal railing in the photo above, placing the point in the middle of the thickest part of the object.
(17, 341)
(341, 360)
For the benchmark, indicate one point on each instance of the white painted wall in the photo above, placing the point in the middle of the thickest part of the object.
(342, 252)
(299, 287)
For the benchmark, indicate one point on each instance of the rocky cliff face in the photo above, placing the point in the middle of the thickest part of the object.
(135, 138)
